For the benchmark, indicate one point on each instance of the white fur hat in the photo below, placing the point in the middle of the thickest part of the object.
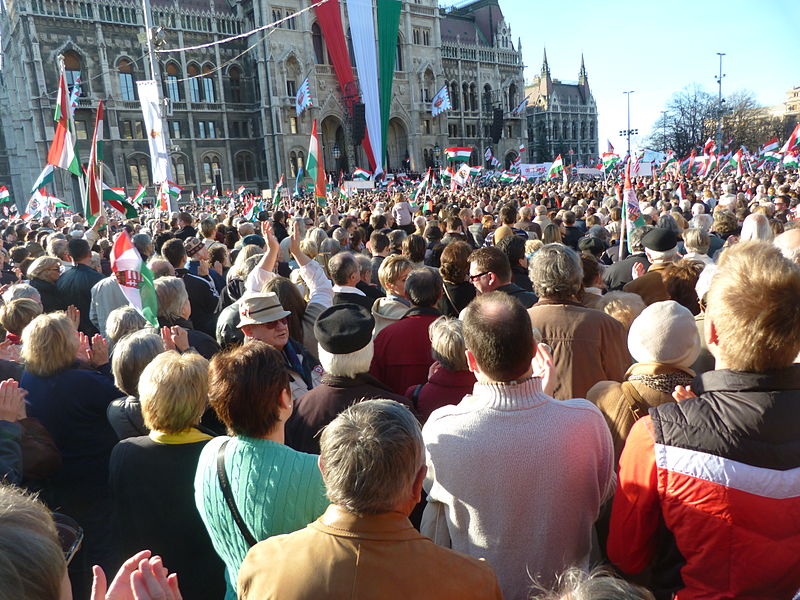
(665, 333)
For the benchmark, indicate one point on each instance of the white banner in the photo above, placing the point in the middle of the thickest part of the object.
(362, 31)
(156, 136)
(529, 171)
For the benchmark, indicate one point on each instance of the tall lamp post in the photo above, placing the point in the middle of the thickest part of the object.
(629, 132)
(337, 154)
(664, 129)
(720, 101)
(436, 151)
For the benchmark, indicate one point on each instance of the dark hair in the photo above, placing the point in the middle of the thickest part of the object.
(174, 252)
(591, 269)
(455, 262)
(377, 221)
(185, 217)
(492, 260)
(414, 248)
(378, 241)
(569, 218)
(244, 385)
(424, 287)
(498, 332)
(680, 282)
(513, 246)
(508, 214)
(292, 300)
(217, 253)
(79, 249)
(455, 223)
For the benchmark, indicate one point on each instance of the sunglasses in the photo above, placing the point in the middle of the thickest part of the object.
(478, 276)
(274, 324)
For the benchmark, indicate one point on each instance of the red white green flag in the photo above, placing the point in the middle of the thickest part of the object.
(94, 174)
(556, 169)
(736, 162)
(362, 175)
(138, 197)
(134, 278)
(5, 195)
(63, 149)
(770, 145)
(792, 141)
(118, 200)
(791, 159)
(456, 154)
(315, 167)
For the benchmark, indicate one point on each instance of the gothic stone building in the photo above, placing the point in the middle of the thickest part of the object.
(230, 107)
(562, 119)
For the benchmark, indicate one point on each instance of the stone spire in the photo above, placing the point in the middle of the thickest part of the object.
(583, 79)
(545, 66)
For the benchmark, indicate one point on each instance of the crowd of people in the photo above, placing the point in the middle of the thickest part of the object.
(508, 394)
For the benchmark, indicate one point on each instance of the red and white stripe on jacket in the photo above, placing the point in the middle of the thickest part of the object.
(736, 525)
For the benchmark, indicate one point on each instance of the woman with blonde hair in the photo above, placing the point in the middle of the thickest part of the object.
(71, 403)
(16, 315)
(152, 476)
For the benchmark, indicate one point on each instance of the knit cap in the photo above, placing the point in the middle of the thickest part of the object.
(665, 333)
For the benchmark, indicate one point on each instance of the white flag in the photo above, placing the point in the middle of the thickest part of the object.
(441, 102)
(156, 136)
(462, 175)
(488, 154)
(303, 98)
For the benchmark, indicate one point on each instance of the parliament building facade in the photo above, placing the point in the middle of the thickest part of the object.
(230, 107)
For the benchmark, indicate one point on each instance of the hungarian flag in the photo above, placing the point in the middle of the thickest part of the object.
(456, 154)
(420, 189)
(276, 195)
(446, 175)
(556, 169)
(441, 102)
(303, 100)
(709, 146)
(45, 177)
(792, 141)
(791, 160)
(173, 189)
(138, 197)
(134, 278)
(630, 207)
(117, 199)
(522, 149)
(94, 174)
(36, 205)
(240, 190)
(608, 160)
(475, 171)
(63, 152)
(343, 193)
(736, 162)
(770, 145)
(506, 177)
(249, 209)
(361, 175)
(315, 166)
(162, 199)
(5, 195)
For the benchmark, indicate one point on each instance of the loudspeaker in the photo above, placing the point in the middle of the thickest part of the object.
(359, 123)
(496, 131)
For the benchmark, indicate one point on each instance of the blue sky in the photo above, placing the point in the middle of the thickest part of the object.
(658, 48)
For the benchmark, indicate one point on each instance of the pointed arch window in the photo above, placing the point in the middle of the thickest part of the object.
(209, 91)
(171, 83)
(127, 89)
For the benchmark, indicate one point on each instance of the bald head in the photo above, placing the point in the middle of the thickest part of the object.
(789, 244)
(498, 334)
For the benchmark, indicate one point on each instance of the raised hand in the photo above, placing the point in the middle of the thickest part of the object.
(12, 401)
(9, 351)
(98, 355)
(74, 315)
(175, 338)
(638, 270)
(543, 367)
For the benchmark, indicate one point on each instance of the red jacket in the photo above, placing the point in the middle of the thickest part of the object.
(403, 350)
(722, 473)
(443, 387)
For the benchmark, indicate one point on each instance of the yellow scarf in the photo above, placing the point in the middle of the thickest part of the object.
(190, 436)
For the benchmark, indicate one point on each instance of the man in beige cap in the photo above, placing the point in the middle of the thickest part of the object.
(263, 318)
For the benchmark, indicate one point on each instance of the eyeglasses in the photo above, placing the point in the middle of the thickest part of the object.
(474, 278)
(274, 324)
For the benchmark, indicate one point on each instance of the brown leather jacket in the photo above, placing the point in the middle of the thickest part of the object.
(588, 346)
(651, 286)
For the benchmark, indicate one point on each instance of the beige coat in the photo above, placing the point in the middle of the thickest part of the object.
(622, 404)
(651, 286)
(345, 557)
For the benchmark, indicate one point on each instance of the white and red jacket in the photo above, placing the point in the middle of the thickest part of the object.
(722, 473)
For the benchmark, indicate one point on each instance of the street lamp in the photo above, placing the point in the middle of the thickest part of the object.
(719, 102)
(629, 132)
(337, 154)
(436, 151)
(664, 129)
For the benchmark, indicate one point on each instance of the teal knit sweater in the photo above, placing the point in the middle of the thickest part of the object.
(277, 490)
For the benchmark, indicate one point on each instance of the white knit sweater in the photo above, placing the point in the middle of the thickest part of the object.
(517, 478)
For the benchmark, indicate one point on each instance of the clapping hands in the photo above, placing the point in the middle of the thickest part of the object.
(139, 578)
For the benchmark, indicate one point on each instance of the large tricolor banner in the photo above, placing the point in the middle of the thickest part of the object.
(156, 136)
(456, 154)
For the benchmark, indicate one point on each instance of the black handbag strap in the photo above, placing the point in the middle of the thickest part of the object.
(225, 485)
(415, 396)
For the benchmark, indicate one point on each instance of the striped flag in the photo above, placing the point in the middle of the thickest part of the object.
(508, 177)
(456, 154)
(736, 162)
(45, 177)
(134, 278)
(420, 189)
(608, 160)
(315, 166)
(791, 159)
(173, 189)
(138, 197)
(362, 175)
(118, 200)
(5, 195)
(520, 109)
(556, 169)
(792, 141)
(94, 174)
(303, 99)
(276, 195)
(63, 152)
(770, 145)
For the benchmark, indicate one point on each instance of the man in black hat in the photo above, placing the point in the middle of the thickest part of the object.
(344, 334)
(661, 249)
